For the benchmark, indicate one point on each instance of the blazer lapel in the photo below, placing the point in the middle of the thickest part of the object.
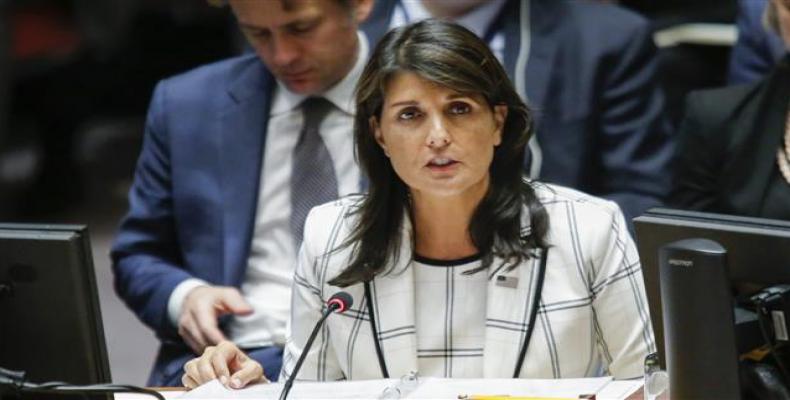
(243, 131)
(541, 32)
(509, 303)
(763, 131)
(394, 308)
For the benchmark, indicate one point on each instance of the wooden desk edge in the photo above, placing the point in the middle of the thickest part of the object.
(168, 389)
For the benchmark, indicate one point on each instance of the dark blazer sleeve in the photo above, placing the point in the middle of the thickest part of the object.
(635, 144)
(698, 159)
(756, 51)
(146, 260)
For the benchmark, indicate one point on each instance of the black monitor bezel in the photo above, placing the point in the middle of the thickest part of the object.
(99, 370)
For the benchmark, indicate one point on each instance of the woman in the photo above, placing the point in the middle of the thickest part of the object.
(734, 144)
(460, 266)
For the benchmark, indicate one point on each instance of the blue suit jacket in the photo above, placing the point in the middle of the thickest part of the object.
(591, 79)
(193, 200)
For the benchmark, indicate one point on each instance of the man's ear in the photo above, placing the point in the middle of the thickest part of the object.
(500, 116)
(362, 9)
(376, 129)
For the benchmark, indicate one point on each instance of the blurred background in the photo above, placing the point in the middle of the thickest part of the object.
(75, 81)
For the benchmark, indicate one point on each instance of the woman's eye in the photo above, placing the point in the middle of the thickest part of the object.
(459, 108)
(408, 115)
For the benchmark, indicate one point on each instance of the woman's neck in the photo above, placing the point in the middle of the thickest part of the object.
(441, 225)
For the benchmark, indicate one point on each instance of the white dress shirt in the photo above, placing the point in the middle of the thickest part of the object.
(267, 282)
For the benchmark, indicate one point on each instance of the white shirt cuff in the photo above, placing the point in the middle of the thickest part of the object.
(178, 296)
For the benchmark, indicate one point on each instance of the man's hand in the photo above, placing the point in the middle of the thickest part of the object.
(198, 325)
(225, 362)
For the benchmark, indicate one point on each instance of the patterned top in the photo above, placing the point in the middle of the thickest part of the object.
(450, 319)
(592, 316)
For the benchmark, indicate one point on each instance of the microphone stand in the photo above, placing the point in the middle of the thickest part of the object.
(287, 388)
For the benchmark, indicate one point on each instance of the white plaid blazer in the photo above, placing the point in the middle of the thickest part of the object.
(592, 319)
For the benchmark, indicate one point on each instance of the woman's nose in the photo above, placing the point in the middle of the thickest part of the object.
(438, 136)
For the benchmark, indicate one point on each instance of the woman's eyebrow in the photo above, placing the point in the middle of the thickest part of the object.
(404, 103)
(456, 96)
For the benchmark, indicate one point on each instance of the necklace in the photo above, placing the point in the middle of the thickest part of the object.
(783, 153)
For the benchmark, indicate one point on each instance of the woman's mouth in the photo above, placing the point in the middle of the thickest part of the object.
(441, 164)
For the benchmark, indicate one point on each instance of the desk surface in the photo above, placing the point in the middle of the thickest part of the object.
(174, 393)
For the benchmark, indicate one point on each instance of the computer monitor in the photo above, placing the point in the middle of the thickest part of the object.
(705, 258)
(50, 322)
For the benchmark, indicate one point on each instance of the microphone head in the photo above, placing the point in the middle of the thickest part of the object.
(340, 301)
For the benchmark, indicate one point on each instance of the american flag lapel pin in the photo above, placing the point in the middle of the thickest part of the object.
(507, 281)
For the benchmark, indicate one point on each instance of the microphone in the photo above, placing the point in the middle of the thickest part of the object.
(340, 302)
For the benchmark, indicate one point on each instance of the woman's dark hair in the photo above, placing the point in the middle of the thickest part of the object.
(449, 55)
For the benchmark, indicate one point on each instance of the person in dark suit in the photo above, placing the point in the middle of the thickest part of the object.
(589, 71)
(757, 49)
(734, 149)
(235, 154)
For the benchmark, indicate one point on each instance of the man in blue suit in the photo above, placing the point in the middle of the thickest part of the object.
(589, 71)
(234, 155)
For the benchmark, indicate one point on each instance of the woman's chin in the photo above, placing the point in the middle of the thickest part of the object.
(454, 186)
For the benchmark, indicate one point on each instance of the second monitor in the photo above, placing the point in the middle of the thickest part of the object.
(706, 257)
